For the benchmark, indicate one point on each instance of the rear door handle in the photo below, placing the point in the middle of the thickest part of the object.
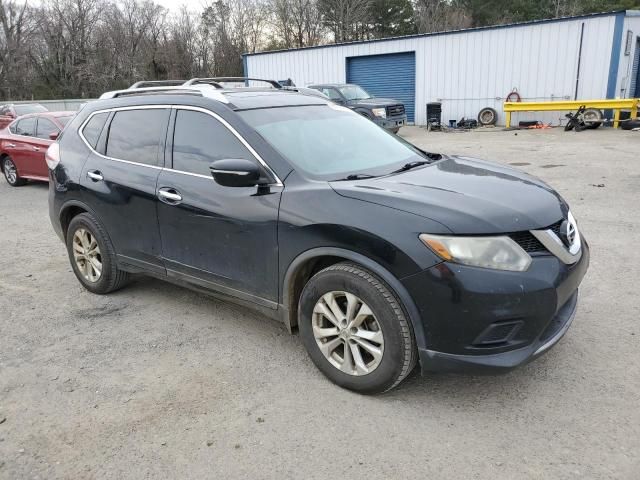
(36, 149)
(11, 145)
(169, 195)
(95, 175)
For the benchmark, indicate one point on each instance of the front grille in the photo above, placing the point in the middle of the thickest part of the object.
(531, 244)
(395, 110)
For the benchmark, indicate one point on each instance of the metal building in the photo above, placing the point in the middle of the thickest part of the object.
(582, 57)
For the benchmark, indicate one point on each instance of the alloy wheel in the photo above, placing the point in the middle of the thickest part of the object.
(86, 254)
(347, 333)
(10, 171)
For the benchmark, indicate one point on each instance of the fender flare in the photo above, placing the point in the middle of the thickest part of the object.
(76, 203)
(389, 278)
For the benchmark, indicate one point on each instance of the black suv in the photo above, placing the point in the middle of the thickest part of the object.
(380, 254)
(386, 112)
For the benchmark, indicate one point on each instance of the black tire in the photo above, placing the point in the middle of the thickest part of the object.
(400, 352)
(9, 166)
(111, 278)
(630, 124)
(487, 117)
(592, 118)
(394, 130)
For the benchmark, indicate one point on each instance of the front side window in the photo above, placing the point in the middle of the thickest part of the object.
(332, 93)
(92, 130)
(45, 128)
(330, 142)
(64, 120)
(26, 127)
(200, 139)
(137, 135)
(354, 92)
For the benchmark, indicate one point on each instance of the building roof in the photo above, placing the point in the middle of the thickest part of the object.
(449, 32)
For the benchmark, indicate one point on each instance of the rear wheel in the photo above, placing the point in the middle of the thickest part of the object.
(11, 173)
(92, 256)
(355, 330)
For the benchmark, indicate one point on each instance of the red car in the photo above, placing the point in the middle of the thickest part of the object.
(24, 143)
(10, 111)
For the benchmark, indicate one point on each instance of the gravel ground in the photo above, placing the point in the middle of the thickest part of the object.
(155, 381)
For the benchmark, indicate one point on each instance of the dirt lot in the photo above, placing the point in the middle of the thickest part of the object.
(158, 382)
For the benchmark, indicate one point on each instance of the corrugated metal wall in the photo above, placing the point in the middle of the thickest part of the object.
(625, 83)
(470, 70)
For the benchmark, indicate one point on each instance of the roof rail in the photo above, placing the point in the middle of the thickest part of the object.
(197, 90)
(157, 83)
(215, 81)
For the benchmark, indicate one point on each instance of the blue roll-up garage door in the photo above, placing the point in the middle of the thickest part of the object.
(391, 75)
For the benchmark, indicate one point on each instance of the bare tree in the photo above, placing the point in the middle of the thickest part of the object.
(16, 33)
(345, 18)
(439, 15)
(296, 23)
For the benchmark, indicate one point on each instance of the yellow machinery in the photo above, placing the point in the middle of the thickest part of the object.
(616, 104)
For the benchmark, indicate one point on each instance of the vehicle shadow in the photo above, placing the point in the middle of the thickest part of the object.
(447, 388)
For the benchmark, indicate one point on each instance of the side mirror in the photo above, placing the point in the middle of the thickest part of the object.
(54, 135)
(235, 172)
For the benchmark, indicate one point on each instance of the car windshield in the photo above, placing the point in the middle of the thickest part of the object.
(330, 142)
(353, 92)
(27, 109)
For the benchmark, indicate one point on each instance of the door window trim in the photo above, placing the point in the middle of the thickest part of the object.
(226, 124)
(15, 122)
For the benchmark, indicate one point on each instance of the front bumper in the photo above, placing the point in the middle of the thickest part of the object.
(391, 123)
(485, 320)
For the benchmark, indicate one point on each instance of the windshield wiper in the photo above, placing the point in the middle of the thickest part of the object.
(354, 176)
(410, 165)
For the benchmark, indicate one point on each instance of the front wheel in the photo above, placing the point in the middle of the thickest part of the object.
(11, 173)
(355, 329)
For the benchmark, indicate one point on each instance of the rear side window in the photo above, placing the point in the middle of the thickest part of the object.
(200, 139)
(136, 135)
(92, 130)
(45, 128)
(26, 127)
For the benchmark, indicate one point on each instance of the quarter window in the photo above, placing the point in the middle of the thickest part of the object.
(200, 139)
(27, 127)
(137, 135)
(92, 130)
(45, 128)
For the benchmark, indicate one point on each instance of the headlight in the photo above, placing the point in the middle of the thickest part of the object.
(500, 253)
(379, 112)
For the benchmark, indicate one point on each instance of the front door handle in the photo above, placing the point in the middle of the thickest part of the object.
(11, 145)
(95, 175)
(36, 149)
(169, 195)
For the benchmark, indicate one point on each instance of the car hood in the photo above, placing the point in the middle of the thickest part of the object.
(375, 102)
(466, 195)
